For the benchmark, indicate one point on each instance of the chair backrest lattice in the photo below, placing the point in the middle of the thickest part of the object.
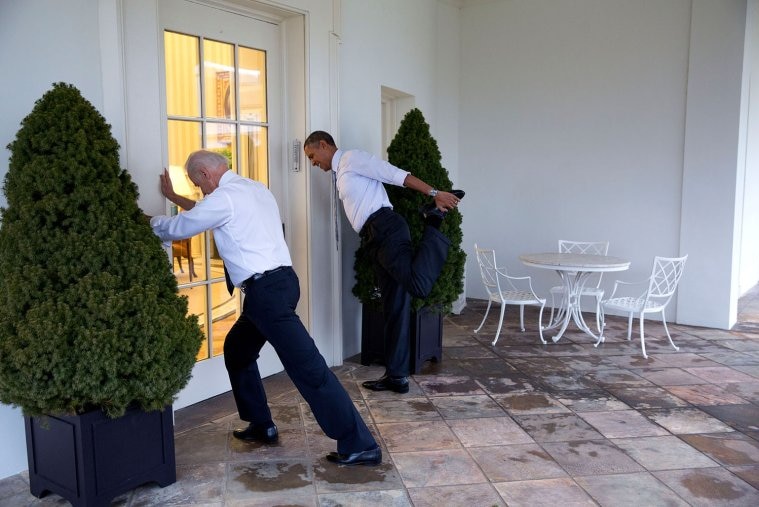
(492, 275)
(586, 247)
(488, 269)
(665, 275)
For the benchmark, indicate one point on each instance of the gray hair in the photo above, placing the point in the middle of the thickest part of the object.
(204, 159)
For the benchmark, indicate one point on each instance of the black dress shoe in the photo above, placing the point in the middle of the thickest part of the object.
(431, 209)
(370, 457)
(396, 384)
(253, 433)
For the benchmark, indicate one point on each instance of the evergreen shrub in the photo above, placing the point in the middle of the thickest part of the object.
(415, 150)
(90, 317)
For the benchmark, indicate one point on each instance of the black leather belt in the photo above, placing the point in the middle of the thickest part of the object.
(371, 217)
(258, 276)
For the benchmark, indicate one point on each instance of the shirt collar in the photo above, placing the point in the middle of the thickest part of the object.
(226, 177)
(336, 159)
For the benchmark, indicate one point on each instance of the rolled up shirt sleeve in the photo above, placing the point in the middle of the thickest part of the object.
(208, 213)
(375, 168)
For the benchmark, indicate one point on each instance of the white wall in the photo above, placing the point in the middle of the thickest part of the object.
(13, 451)
(30, 69)
(749, 263)
(408, 46)
(572, 127)
(30, 65)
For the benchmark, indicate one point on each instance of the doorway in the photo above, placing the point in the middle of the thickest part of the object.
(220, 82)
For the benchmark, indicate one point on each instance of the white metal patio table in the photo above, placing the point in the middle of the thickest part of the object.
(574, 270)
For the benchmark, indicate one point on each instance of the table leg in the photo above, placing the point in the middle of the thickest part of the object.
(571, 308)
(563, 314)
(578, 318)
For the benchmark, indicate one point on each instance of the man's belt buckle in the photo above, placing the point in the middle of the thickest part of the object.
(257, 276)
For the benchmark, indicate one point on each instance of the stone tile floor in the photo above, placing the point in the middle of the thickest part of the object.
(516, 424)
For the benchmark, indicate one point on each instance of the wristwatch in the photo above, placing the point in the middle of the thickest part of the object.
(432, 192)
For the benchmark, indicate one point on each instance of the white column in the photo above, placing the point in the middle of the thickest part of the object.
(712, 182)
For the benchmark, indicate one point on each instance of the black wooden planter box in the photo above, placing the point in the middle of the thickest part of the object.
(426, 337)
(90, 459)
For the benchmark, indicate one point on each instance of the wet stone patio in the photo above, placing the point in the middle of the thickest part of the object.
(516, 424)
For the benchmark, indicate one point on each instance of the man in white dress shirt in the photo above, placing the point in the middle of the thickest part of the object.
(401, 271)
(247, 230)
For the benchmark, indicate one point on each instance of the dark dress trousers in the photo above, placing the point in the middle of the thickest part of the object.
(269, 315)
(401, 273)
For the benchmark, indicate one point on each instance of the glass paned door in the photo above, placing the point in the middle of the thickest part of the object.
(216, 99)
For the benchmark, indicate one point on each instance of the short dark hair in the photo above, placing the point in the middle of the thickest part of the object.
(319, 135)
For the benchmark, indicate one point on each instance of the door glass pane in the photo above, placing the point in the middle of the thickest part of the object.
(188, 259)
(221, 138)
(225, 310)
(254, 153)
(253, 85)
(215, 264)
(182, 80)
(219, 79)
(187, 255)
(196, 298)
(184, 138)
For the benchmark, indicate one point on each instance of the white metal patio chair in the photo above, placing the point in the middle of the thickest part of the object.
(593, 285)
(659, 289)
(506, 290)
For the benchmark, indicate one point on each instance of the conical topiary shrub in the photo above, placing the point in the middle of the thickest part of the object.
(89, 312)
(415, 150)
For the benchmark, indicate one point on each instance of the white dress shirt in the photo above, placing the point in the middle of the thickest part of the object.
(247, 228)
(360, 176)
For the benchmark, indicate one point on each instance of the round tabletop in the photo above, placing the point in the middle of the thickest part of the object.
(574, 261)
